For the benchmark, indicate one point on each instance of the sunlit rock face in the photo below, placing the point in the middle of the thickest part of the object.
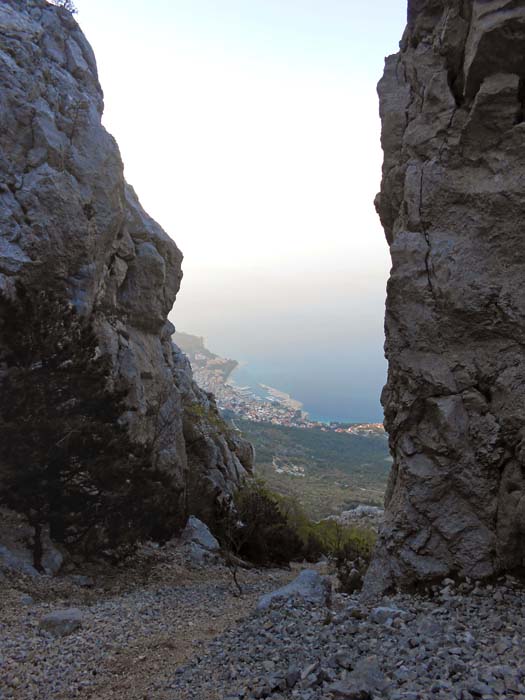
(67, 214)
(452, 204)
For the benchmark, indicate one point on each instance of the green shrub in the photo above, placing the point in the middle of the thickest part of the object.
(313, 548)
(256, 530)
(266, 528)
(208, 415)
(352, 559)
(339, 539)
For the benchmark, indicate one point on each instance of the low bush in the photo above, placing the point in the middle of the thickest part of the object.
(266, 528)
(352, 560)
(256, 530)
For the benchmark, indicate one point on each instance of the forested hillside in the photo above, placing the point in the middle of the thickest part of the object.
(326, 471)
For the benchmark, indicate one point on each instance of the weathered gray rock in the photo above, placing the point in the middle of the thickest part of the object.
(67, 214)
(452, 203)
(16, 553)
(15, 561)
(53, 558)
(198, 533)
(364, 682)
(369, 516)
(430, 651)
(198, 556)
(199, 545)
(309, 585)
(62, 622)
(383, 613)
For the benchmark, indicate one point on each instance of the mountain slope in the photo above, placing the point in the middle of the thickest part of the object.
(326, 471)
(70, 221)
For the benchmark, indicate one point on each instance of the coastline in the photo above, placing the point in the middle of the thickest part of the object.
(283, 397)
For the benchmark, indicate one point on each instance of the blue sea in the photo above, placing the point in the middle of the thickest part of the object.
(316, 337)
(332, 393)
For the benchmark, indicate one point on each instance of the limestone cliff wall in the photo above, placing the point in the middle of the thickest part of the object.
(452, 204)
(66, 213)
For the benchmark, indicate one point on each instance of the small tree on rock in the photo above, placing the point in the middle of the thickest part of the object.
(66, 4)
(256, 530)
(66, 457)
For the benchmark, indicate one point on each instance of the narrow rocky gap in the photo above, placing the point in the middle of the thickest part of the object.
(442, 614)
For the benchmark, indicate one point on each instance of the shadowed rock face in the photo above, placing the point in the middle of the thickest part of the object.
(66, 213)
(452, 204)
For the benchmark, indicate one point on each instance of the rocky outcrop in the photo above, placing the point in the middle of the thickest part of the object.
(452, 204)
(67, 214)
(309, 586)
(61, 623)
(199, 546)
(16, 551)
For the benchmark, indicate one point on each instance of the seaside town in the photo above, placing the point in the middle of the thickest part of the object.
(213, 373)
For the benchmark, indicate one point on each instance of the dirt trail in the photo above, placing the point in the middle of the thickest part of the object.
(139, 624)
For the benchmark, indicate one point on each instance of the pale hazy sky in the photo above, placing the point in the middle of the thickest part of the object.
(250, 131)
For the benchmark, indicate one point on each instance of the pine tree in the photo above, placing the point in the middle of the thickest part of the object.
(66, 458)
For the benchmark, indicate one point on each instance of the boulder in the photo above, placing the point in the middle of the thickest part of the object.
(309, 586)
(198, 533)
(198, 556)
(381, 614)
(62, 622)
(199, 546)
(53, 558)
(15, 554)
(365, 682)
(16, 561)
